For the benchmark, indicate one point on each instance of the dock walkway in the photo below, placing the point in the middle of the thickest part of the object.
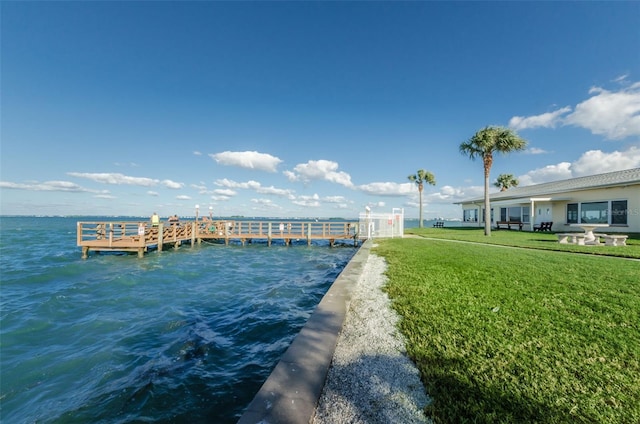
(140, 237)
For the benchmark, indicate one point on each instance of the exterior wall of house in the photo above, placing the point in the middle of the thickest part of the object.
(557, 210)
(630, 194)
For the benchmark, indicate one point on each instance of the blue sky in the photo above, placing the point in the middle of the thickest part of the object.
(305, 109)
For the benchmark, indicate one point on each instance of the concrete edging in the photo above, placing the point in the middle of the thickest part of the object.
(290, 394)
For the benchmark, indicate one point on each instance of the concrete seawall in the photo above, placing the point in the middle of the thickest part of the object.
(291, 393)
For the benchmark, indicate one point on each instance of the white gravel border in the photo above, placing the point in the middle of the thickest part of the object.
(371, 380)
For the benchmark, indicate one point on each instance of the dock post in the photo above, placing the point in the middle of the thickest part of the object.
(85, 252)
(194, 227)
(160, 231)
(309, 234)
(141, 252)
(269, 234)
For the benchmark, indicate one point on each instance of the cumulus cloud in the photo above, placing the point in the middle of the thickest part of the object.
(250, 160)
(172, 184)
(262, 201)
(265, 204)
(220, 197)
(324, 170)
(388, 189)
(334, 199)
(308, 201)
(225, 192)
(595, 161)
(255, 186)
(615, 115)
(548, 173)
(590, 163)
(115, 178)
(275, 191)
(545, 120)
(612, 114)
(50, 186)
(201, 187)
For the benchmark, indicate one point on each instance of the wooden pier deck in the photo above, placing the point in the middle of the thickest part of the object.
(139, 237)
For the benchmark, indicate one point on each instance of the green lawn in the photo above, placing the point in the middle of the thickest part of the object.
(503, 335)
(545, 241)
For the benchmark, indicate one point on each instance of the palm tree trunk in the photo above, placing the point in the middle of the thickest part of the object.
(487, 201)
(420, 191)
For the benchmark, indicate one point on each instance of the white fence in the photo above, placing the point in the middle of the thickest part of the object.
(379, 225)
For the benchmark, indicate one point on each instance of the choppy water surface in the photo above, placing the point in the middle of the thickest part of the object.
(178, 336)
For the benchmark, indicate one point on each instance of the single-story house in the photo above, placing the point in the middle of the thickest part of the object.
(612, 198)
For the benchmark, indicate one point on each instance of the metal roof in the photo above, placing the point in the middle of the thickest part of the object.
(592, 182)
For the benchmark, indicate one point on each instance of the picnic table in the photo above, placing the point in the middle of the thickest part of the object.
(588, 230)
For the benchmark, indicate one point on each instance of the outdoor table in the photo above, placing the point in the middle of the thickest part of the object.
(588, 230)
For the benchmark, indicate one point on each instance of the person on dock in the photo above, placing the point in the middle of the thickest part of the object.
(155, 220)
(174, 219)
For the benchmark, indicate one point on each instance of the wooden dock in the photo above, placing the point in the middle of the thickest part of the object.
(140, 237)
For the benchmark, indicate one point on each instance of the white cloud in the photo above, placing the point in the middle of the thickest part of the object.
(388, 189)
(183, 197)
(220, 198)
(115, 178)
(50, 186)
(319, 170)
(590, 163)
(255, 186)
(172, 184)
(621, 78)
(250, 160)
(307, 201)
(615, 115)
(612, 114)
(597, 162)
(225, 192)
(201, 187)
(334, 199)
(546, 120)
(234, 184)
(104, 196)
(152, 193)
(275, 191)
(535, 151)
(197, 153)
(267, 202)
(557, 172)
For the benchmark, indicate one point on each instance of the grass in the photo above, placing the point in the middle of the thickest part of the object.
(518, 335)
(544, 241)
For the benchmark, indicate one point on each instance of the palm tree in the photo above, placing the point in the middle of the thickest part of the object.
(506, 181)
(483, 144)
(421, 177)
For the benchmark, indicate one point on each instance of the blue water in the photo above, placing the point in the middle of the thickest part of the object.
(179, 336)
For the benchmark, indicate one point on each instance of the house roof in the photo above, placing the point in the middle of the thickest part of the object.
(610, 179)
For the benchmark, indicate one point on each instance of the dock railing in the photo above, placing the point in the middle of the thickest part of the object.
(139, 236)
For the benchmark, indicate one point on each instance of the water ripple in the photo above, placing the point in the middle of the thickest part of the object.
(178, 336)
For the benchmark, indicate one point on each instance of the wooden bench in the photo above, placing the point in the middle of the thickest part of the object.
(544, 226)
(438, 224)
(508, 224)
